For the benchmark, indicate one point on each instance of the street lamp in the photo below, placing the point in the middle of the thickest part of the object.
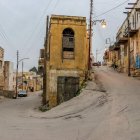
(94, 22)
(102, 21)
(18, 61)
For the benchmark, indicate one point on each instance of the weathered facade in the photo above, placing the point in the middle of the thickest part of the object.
(1, 68)
(67, 58)
(41, 62)
(129, 35)
(30, 81)
(9, 76)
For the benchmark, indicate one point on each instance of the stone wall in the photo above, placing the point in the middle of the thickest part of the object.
(52, 83)
(8, 94)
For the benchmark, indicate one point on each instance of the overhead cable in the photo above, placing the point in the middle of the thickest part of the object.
(112, 9)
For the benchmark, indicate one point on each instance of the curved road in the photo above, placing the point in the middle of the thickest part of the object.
(110, 115)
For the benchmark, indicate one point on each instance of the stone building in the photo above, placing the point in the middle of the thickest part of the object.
(9, 76)
(1, 68)
(123, 41)
(30, 81)
(41, 62)
(67, 58)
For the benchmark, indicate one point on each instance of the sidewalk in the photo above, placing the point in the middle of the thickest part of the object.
(92, 95)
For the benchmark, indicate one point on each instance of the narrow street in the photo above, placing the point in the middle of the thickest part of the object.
(109, 110)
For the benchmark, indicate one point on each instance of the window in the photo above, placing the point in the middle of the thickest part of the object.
(68, 44)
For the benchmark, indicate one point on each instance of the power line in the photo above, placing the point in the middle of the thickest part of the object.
(4, 36)
(57, 2)
(112, 9)
(33, 43)
(38, 23)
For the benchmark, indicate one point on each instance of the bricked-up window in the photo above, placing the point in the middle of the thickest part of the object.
(68, 44)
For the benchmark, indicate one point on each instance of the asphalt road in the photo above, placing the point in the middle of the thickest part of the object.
(109, 110)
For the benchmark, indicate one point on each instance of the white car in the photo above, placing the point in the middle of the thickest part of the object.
(22, 93)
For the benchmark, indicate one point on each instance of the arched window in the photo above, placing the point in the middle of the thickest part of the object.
(68, 44)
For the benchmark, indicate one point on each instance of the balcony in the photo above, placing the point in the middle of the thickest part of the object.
(114, 47)
(106, 57)
(132, 31)
(121, 39)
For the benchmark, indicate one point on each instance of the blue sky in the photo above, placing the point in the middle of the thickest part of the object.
(22, 24)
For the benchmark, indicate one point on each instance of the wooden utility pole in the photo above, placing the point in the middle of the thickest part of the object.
(129, 59)
(96, 56)
(22, 74)
(129, 65)
(17, 75)
(90, 32)
(44, 101)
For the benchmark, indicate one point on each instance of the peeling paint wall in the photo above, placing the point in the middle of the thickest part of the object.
(58, 66)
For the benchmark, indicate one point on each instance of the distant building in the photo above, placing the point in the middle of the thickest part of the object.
(30, 81)
(41, 62)
(67, 58)
(1, 68)
(9, 76)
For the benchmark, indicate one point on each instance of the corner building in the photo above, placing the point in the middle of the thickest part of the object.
(67, 58)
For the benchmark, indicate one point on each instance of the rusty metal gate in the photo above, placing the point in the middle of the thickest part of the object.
(67, 88)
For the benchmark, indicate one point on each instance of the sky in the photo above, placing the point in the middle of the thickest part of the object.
(22, 24)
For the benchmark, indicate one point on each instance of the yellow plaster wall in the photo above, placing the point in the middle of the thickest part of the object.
(79, 27)
(56, 66)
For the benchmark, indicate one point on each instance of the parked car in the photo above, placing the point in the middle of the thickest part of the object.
(22, 93)
(96, 64)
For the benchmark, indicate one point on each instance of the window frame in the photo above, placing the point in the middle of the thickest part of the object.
(67, 49)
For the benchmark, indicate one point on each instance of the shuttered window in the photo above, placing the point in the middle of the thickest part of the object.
(68, 44)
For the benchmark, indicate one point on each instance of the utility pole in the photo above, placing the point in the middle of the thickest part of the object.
(90, 32)
(44, 101)
(17, 74)
(129, 73)
(96, 55)
(22, 74)
(36, 82)
(128, 22)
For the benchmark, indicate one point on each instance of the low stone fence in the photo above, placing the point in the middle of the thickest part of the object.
(8, 94)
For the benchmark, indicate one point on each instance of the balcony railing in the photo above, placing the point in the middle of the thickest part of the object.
(121, 39)
(131, 30)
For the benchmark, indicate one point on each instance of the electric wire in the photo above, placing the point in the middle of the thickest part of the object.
(6, 42)
(37, 25)
(112, 9)
(57, 2)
